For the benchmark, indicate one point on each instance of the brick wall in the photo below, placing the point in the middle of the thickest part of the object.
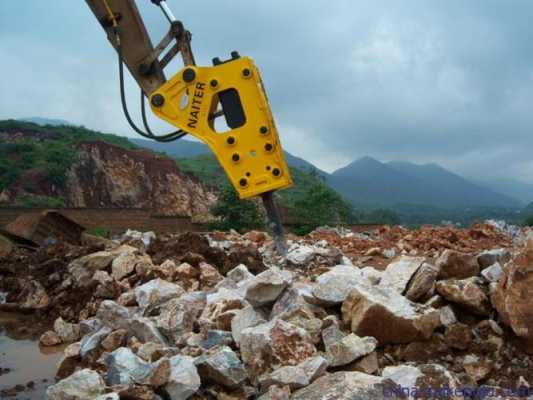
(113, 219)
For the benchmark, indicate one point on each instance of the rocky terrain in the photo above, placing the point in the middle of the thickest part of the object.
(437, 312)
(75, 167)
(109, 176)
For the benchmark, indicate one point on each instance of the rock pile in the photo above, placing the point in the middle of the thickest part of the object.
(218, 316)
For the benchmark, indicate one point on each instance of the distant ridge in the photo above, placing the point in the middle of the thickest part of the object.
(367, 181)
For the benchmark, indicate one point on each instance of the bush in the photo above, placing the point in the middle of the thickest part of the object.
(99, 231)
(528, 221)
(41, 202)
(320, 206)
(234, 213)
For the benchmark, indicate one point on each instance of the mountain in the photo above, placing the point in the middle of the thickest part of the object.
(519, 190)
(47, 121)
(370, 182)
(184, 149)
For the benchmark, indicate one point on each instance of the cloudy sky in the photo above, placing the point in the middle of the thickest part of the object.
(426, 81)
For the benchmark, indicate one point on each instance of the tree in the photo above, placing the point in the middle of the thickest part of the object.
(234, 213)
(321, 206)
(528, 221)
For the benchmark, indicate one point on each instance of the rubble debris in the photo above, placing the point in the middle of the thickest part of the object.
(218, 315)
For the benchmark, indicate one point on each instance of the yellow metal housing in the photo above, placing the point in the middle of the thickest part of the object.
(250, 153)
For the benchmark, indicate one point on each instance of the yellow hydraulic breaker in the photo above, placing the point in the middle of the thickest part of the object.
(248, 149)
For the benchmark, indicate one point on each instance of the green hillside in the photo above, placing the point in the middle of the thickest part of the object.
(31, 154)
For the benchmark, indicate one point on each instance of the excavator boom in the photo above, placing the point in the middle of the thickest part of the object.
(224, 105)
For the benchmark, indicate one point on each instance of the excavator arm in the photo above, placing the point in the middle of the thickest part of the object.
(246, 144)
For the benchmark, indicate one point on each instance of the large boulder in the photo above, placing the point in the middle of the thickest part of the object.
(275, 343)
(333, 286)
(82, 385)
(399, 272)
(344, 386)
(388, 316)
(454, 264)
(468, 293)
(512, 295)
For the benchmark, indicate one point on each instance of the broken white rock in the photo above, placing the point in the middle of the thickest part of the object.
(344, 386)
(490, 257)
(82, 269)
(109, 396)
(176, 318)
(146, 330)
(81, 385)
(274, 343)
(124, 367)
(247, 317)
(422, 284)
(239, 273)
(125, 263)
(299, 254)
(342, 349)
(447, 316)
(221, 365)
(67, 332)
(155, 292)
(295, 377)
(469, 293)
(113, 315)
(266, 287)
(423, 376)
(399, 272)
(333, 286)
(373, 310)
(184, 380)
(92, 341)
(372, 274)
(492, 273)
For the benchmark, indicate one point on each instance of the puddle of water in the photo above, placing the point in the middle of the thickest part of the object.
(27, 362)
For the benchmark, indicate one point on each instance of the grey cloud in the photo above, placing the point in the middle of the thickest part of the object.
(448, 82)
